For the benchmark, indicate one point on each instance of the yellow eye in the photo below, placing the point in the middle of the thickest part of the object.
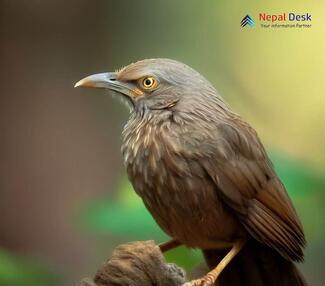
(149, 83)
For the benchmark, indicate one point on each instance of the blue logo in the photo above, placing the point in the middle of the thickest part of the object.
(247, 21)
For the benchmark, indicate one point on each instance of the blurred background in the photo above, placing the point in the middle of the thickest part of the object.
(65, 202)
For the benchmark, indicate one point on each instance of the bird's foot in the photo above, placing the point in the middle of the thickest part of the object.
(212, 276)
(207, 280)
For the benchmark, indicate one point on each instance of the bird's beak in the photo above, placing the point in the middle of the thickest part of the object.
(106, 80)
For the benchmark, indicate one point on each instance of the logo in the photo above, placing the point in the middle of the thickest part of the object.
(247, 21)
(278, 20)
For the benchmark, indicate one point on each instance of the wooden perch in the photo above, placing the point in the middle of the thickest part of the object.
(135, 264)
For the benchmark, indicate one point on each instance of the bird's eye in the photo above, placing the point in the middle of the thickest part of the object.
(148, 83)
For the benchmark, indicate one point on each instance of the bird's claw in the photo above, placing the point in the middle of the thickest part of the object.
(207, 280)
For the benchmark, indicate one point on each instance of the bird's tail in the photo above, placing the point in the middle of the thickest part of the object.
(255, 265)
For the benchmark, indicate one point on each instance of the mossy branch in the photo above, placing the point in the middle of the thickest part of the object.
(137, 264)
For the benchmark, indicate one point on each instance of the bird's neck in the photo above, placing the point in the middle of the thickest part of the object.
(141, 136)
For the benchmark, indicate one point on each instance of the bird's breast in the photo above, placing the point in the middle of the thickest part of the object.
(175, 188)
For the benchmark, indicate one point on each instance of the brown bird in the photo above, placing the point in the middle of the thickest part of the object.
(204, 175)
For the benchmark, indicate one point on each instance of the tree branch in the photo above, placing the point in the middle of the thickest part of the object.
(135, 264)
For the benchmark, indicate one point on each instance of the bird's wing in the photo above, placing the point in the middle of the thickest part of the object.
(248, 184)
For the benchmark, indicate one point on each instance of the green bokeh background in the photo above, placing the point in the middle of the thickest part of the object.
(273, 77)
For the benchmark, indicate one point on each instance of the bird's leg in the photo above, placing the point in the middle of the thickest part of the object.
(171, 244)
(211, 277)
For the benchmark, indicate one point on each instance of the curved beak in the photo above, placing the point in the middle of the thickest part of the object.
(106, 80)
(99, 80)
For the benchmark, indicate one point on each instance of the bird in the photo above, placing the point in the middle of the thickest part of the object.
(204, 175)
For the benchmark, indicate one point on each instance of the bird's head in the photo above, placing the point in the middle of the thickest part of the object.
(157, 84)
